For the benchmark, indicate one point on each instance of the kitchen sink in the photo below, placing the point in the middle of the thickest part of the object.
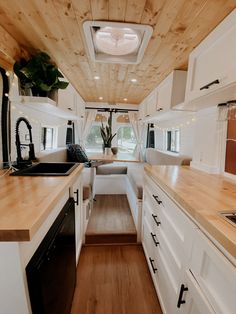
(230, 217)
(47, 169)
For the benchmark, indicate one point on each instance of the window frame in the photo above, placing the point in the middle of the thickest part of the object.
(54, 137)
(168, 140)
(122, 125)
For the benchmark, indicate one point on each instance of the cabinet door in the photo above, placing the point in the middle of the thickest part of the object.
(191, 299)
(215, 274)
(76, 192)
(142, 110)
(67, 99)
(151, 104)
(212, 63)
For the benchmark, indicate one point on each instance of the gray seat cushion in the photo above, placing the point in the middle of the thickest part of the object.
(110, 169)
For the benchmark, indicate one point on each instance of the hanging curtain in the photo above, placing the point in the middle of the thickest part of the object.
(139, 132)
(87, 124)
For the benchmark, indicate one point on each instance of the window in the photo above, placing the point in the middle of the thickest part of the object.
(126, 139)
(94, 140)
(173, 141)
(48, 136)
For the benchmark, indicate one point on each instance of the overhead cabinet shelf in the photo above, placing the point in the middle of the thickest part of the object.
(44, 104)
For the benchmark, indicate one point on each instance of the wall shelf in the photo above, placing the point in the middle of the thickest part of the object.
(44, 104)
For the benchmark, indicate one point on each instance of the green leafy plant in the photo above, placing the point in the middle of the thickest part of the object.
(40, 74)
(106, 132)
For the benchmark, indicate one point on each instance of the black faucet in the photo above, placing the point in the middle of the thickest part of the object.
(20, 162)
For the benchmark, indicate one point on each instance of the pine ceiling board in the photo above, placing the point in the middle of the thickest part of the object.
(134, 11)
(13, 19)
(67, 16)
(9, 48)
(99, 9)
(117, 9)
(49, 25)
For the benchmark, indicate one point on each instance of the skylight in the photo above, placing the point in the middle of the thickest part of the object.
(111, 42)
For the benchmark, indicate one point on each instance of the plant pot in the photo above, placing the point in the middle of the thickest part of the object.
(53, 94)
(114, 150)
(107, 151)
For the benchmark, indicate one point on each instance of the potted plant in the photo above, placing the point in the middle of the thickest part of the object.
(40, 75)
(106, 133)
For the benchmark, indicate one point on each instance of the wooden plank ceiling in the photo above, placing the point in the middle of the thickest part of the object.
(55, 26)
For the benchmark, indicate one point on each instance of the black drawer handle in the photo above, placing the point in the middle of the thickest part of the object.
(180, 301)
(77, 197)
(156, 198)
(154, 269)
(159, 109)
(154, 239)
(156, 221)
(208, 85)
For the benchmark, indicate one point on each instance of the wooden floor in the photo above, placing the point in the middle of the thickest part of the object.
(114, 280)
(111, 221)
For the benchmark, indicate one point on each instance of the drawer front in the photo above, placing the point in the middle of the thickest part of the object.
(149, 249)
(214, 273)
(151, 214)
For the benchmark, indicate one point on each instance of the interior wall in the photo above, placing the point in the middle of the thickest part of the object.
(186, 124)
(210, 140)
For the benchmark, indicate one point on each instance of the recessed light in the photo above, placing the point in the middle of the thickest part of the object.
(133, 80)
(97, 77)
(125, 99)
(100, 98)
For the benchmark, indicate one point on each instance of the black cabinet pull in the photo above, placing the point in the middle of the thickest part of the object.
(77, 197)
(159, 109)
(208, 85)
(156, 221)
(154, 239)
(180, 301)
(154, 269)
(156, 198)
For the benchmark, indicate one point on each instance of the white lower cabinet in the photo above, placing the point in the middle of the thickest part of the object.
(191, 299)
(76, 192)
(190, 274)
(214, 273)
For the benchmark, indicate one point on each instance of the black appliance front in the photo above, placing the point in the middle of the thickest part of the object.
(51, 272)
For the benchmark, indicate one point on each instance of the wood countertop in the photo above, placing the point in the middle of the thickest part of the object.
(26, 202)
(203, 196)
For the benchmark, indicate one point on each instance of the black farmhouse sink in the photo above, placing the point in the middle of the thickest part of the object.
(47, 169)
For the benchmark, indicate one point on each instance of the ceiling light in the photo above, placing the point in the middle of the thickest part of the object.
(97, 77)
(125, 99)
(100, 98)
(133, 80)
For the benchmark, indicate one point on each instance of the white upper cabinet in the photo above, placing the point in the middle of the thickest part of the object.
(71, 101)
(165, 97)
(151, 103)
(67, 99)
(171, 91)
(142, 110)
(212, 67)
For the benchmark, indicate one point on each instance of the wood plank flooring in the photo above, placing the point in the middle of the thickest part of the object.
(114, 280)
(111, 221)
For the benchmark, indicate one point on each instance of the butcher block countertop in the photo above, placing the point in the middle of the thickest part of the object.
(26, 202)
(203, 196)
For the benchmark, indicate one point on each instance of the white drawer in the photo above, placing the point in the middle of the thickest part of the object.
(152, 216)
(149, 249)
(214, 273)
